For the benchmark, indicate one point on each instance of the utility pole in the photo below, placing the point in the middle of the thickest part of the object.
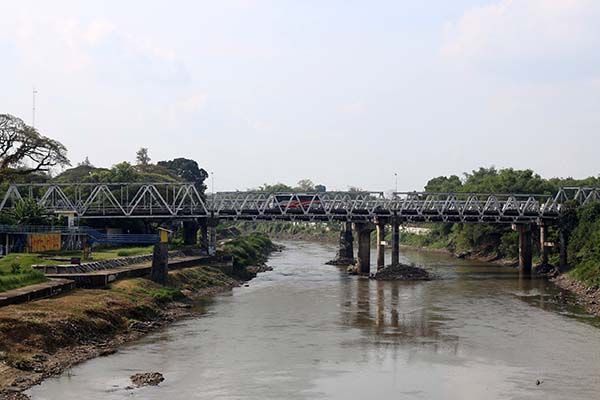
(396, 176)
(33, 108)
(212, 184)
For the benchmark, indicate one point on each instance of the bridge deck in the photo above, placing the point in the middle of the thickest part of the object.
(182, 200)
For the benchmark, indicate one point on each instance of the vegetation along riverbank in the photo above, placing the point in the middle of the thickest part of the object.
(43, 338)
(490, 243)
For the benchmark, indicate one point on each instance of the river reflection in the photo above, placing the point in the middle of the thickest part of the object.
(308, 330)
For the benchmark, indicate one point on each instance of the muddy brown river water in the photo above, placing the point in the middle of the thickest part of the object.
(309, 331)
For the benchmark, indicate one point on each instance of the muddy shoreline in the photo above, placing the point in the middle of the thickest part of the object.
(14, 381)
(586, 296)
(506, 262)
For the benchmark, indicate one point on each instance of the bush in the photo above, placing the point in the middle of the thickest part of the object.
(584, 245)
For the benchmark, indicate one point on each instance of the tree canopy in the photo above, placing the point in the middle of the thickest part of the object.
(187, 170)
(23, 150)
(142, 156)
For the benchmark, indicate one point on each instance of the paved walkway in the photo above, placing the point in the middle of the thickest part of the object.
(37, 291)
(101, 278)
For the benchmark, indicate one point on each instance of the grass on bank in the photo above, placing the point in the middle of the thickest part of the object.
(86, 315)
(251, 249)
(16, 271)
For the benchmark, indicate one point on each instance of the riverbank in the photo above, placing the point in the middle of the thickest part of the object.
(586, 296)
(506, 262)
(43, 338)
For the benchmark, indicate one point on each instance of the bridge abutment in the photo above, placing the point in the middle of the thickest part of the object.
(363, 233)
(395, 241)
(525, 247)
(380, 225)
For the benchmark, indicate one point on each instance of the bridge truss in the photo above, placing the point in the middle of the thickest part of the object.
(183, 201)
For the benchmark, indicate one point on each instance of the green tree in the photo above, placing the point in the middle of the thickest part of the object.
(85, 163)
(24, 151)
(142, 156)
(187, 170)
(28, 212)
(276, 188)
(306, 185)
(444, 184)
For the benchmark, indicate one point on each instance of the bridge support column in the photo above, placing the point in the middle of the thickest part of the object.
(85, 248)
(543, 240)
(212, 235)
(395, 241)
(363, 232)
(345, 254)
(160, 263)
(380, 244)
(204, 236)
(563, 244)
(190, 232)
(525, 246)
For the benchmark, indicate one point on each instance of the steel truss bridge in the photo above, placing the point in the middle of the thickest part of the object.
(183, 201)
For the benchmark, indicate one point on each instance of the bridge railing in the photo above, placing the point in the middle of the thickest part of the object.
(182, 200)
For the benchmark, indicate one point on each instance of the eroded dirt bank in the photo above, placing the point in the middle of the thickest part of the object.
(43, 338)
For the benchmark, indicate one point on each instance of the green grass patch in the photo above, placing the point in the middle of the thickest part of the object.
(251, 249)
(16, 271)
(23, 278)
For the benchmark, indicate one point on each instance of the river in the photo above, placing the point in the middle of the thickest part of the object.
(307, 330)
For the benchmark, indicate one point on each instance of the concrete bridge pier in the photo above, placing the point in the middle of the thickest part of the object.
(395, 241)
(525, 247)
(563, 244)
(543, 240)
(363, 233)
(211, 237)
(190, 232)
(203, 236)
(345, 255)
(208, 237)
(380, 225)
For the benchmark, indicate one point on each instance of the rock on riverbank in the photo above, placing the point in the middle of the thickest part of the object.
(587, 296)
(147, 379)
(402, 272)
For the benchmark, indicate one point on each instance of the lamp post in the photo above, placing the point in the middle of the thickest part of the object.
(396, 176)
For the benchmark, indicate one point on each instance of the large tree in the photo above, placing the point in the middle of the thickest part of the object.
(24, 151)
(187, 170)
(142, 156)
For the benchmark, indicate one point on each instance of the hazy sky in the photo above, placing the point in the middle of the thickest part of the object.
(341, 92)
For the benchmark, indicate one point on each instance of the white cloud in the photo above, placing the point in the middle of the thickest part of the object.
(543, 36)
(98, 30)
(353, 108)
(193, 103)
(60, 44)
